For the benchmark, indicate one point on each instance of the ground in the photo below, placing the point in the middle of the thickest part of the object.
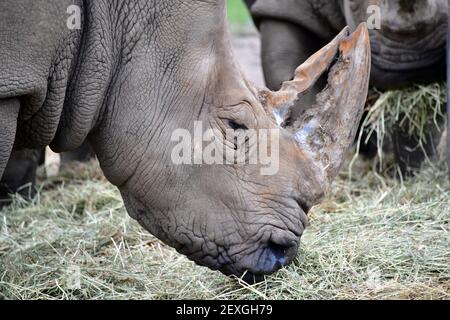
(374, 237)
(247, 54)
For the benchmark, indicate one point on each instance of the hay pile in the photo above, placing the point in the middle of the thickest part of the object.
(413, 110)
(374, 237)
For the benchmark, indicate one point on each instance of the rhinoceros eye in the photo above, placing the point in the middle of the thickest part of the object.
(238, 117)
(233, 124)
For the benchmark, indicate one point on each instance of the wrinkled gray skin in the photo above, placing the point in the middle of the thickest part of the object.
(409, 48)
(136, 71)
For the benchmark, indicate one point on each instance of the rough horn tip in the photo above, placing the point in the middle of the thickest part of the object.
(358, 39)
(362, 31)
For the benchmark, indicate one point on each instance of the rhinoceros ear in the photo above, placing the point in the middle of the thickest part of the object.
(325, 129)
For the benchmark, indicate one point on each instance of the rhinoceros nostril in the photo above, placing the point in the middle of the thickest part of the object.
(272, 257)
(277, 254)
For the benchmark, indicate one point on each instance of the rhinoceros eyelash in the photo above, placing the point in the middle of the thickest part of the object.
(236, 126)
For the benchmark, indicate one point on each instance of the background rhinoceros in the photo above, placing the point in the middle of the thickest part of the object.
(408, 43)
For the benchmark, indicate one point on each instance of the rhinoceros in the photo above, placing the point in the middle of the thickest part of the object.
(136, 71)
(408, 42)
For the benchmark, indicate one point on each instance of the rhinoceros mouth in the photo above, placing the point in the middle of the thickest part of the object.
(263, 260)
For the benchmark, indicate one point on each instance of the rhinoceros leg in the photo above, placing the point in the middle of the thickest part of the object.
(368, 147)
(408, 153)
(20, 174)
(17, 168)
(9, 111)
(83, 153)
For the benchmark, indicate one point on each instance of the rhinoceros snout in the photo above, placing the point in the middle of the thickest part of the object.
(267, 259)
(273, 257)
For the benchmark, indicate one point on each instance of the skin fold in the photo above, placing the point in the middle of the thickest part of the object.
(138, 70)
(409, 47)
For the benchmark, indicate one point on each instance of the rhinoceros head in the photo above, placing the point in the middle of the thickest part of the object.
(408, 38)
(231, 216)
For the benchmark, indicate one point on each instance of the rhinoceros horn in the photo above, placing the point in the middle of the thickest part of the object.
(325, 129)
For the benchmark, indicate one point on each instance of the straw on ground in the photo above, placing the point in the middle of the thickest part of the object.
(374, 237)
